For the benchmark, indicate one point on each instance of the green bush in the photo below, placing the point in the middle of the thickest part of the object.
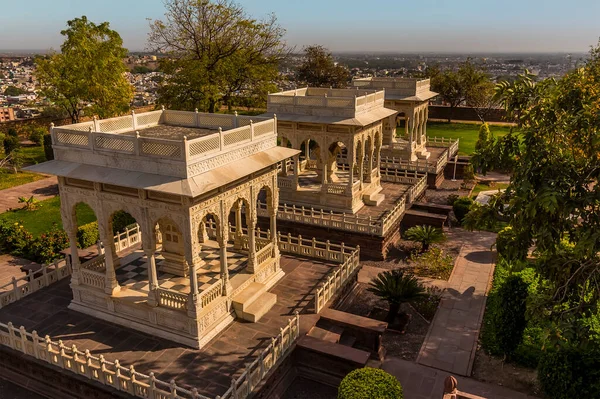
(12, 132)
(37, 135)
(48, 147)
(570, 373)
(14, 238)
(535, 337)
(509, 246)
(121, 220)
(10, 143)
(461, 207)
(47, 246)
(87, 235)
(17, 241)
(369, 383)
(510, 318)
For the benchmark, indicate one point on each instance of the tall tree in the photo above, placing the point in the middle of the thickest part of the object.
(88, 73)
(215, 52)
(553, 200)
(467, 85)
(320, 70)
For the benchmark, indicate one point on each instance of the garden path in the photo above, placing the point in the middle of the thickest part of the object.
(421, 382)
(41, 190)
(451, 341)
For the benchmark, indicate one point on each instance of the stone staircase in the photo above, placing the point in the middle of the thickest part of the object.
(253, 302)
(373, 197)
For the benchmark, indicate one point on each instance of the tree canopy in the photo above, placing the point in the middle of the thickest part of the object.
(320, 70)
(215, 52)
(13, 91)
(88, 73)
(468, 85)
(553, 201)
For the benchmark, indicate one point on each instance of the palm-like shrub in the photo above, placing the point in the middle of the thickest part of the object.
(426, 235)
(396, 287)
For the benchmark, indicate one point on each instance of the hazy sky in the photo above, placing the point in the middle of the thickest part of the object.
(342, 25)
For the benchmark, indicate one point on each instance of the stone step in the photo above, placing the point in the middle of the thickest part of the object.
(347, 340)
(332, 334)
(373, 199)
(245, 298)
(259, 307)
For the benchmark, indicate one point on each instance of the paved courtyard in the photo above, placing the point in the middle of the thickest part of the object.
(209, 369)
(451, 342)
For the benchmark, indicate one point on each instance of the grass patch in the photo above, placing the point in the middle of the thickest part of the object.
(467, 133)
(9, 179)
(33, 154)
(40, 220)
(479, 187)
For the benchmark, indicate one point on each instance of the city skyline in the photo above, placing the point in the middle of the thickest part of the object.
(427, 26)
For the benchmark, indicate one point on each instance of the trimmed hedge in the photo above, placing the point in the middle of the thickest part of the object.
(570, 373)
(461, 207)
(48, 147)
(87, 235)
(528, 352)
(369, 383)
(510, 317)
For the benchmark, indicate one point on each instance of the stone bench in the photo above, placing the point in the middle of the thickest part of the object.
(368, 332)
(417, 218)
(327, 362)
(432, 208)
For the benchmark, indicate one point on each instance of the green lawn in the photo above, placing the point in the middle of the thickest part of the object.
(41, 220)
(467, 133)
(9, 179)
(484, 187)
(33, 155)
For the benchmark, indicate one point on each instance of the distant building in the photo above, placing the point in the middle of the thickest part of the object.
(7, 114)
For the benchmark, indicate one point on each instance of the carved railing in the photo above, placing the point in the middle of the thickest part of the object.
(268, 359)
(94, 368)
(171, 299)
(336, 220)
(314, 248)
(416, 180)
(211, 293)
(96, 264)
(444, 142)
(92, 278)
(106, 135)
(128, 238)
(336, 280)
(415, 166)
(264, 254)
(21, 287)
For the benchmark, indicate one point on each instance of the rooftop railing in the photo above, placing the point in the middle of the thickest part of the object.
(352, 99)
(107, 135)
(397, 86)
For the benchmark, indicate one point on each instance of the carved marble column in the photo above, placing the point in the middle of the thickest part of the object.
(111, 286)
(152, 277)
(251, 220)
(237, 241)
(222, 240)
(296, 170)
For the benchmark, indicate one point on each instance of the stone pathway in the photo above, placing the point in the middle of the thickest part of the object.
(421, 382)
(41, 190)
(451, 341)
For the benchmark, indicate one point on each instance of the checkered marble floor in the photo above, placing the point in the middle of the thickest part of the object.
(134, 274)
